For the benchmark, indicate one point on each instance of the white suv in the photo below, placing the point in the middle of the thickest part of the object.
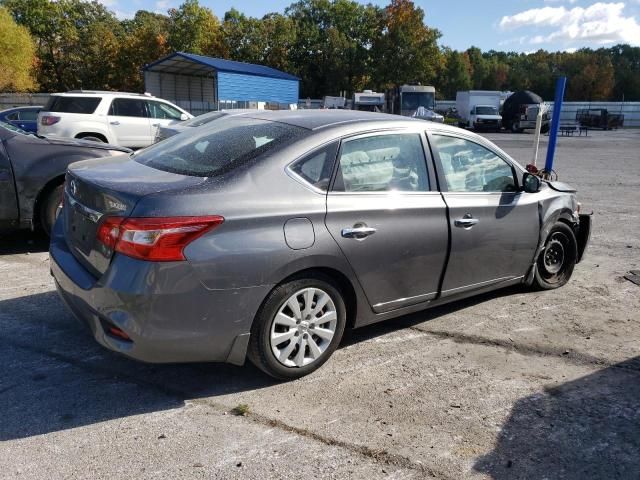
(126, 119)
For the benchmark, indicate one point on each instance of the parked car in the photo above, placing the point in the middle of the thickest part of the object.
(171, 130)
(429, 115)
(270, 233)
(25, 118)
(32, 173)
(127, 119)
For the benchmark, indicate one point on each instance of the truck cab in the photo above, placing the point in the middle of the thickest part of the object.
(485, 117)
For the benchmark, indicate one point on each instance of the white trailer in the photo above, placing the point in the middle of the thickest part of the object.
(479, 109)
(368, 100)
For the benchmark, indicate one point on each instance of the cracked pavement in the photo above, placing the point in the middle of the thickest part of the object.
(511, 384)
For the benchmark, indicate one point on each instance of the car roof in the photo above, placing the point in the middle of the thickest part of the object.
(320, 119)
(24, 107)
(101, 93)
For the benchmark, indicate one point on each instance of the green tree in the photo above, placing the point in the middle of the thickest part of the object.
(407, 50)
(18, 55)
(195, 29)
(456, 74)
(77, 42)
(145, 40)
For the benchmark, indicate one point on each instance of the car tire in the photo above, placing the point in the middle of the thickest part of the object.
(555, 263)
(279, 331)
(92, 138)
(49, 208)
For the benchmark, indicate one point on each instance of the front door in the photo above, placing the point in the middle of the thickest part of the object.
(494, 226)
(162, 115)
(129, 122)
(389, 224)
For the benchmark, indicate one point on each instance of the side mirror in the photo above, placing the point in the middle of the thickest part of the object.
(184, 117)
(530, 183)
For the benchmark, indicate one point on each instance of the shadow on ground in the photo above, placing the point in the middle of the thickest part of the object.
(55, 376)
(587, 428)
(24, 241)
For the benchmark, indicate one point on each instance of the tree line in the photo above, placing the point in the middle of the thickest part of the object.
(332, 45)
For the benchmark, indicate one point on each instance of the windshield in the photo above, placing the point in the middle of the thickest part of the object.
(218, 147)
(413, 100)
(488, 110)
(13, 128)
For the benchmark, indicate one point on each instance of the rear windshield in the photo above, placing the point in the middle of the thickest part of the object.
(72, 104)
(219, 147)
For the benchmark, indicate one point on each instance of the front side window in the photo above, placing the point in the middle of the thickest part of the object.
(218, 147)
(127, 107)
(163, 111)
(469, 167)
(382, 163)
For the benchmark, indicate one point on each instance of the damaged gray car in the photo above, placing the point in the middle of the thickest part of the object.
(266, 235)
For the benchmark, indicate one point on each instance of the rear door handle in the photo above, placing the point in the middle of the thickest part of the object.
(155, 124)
(115, 123)
(465, 222)
(358, 232)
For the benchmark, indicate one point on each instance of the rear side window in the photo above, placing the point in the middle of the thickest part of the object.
(219, 147)
(316, 167)
(382, 163)
(60, 104)
(29, 115)
(126, 107)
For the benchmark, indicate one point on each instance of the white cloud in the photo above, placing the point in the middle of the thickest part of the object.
(600, 23)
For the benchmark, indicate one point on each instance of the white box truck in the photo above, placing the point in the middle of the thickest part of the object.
(479, 109)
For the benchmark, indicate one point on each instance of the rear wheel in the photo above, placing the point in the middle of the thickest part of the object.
(91, 137)
(298, 328)
(50, 207)
(557, 260)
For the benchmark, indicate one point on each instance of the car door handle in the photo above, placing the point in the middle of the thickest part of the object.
(465, 222)
(358, 232)
(155, 124)
(115, 123)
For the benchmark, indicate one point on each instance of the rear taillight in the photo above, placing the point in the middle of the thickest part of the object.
(160, 239)
(48, 120)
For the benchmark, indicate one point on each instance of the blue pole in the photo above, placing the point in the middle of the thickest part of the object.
(555, 123)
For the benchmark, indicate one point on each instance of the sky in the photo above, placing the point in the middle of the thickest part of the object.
(516, 25)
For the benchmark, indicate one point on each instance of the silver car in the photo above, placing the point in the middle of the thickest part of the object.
(268, 234)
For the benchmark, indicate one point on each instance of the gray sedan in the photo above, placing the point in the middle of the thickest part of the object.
(268, 234)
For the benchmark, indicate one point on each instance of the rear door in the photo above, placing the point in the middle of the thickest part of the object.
(387, 220)
(494, 226)
(162, 115)
(129, 122)
(28, 120)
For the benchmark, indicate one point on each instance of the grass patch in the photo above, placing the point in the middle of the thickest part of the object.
(241, 410)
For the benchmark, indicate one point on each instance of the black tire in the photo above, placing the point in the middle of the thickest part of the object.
(555, 263)
(49, 208)
(92, 138)
(260, 352)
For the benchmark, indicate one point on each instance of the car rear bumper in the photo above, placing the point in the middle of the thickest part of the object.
(168, 315)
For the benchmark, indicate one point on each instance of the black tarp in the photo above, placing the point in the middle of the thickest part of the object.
(511, 106)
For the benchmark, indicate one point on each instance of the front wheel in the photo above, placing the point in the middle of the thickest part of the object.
(298, 328)
(557, 260)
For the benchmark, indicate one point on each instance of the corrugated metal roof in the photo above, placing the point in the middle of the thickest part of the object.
(177, 63)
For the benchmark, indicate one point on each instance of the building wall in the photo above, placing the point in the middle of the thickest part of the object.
(195, 94)
(234, 86)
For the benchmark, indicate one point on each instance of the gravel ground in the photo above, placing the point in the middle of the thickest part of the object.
(513, 384)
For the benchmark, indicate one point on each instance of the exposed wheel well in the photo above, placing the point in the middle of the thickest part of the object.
(42, 196)
(91, 134)
(341, 281)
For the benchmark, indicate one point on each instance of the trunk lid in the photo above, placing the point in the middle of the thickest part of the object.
(96, 189)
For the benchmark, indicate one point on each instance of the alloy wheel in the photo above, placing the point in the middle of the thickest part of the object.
(303, 327)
